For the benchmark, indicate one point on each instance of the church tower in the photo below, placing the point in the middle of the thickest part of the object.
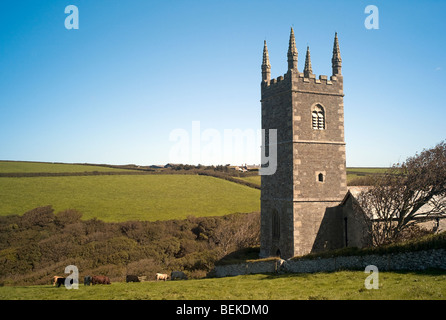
(310, 178)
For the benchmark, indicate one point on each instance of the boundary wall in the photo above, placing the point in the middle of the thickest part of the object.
(410, 261)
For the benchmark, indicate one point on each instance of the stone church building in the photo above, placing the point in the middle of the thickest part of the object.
(305, 206)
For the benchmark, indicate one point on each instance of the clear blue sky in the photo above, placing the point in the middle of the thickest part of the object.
(113, 90)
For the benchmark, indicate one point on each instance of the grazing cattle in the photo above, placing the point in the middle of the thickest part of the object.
(58, 281)
(100, 280)
(55, 280)
(161, 276)
(87, 281)
(178, 275)
(131, 278)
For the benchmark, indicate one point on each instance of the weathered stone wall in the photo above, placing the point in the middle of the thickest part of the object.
(295, 197)
(412, 261)
(246, 268)
(276, 189)
(284, 243)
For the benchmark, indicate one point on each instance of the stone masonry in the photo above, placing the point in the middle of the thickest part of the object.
(413, 261)
(308, 113)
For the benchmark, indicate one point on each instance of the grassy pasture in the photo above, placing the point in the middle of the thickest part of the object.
(360, 172)
(124, 197)
(121, 198)
(343, 285)
(364, 170)
(253, 179)
(46, 167)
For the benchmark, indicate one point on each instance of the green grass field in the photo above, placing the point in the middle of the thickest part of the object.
(344, 285)
(44, 167)
(360, 172)
(124, 197)
(253, 179)
(162, 197)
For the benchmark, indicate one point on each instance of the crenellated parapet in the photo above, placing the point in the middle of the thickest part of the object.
(297, 81)
(321, 84)
(302, 81)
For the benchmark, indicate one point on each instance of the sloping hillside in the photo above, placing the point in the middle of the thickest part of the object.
(129, 197)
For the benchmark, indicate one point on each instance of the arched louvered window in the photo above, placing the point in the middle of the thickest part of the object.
(318, 118)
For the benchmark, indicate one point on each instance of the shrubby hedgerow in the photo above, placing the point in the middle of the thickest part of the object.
(41, 243)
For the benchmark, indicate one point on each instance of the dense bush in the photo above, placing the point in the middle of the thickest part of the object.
(40, 244)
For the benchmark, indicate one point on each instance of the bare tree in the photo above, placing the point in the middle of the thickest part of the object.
(241, 232)
(408, 191)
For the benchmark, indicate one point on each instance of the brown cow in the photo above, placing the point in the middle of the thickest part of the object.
(100, 280)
